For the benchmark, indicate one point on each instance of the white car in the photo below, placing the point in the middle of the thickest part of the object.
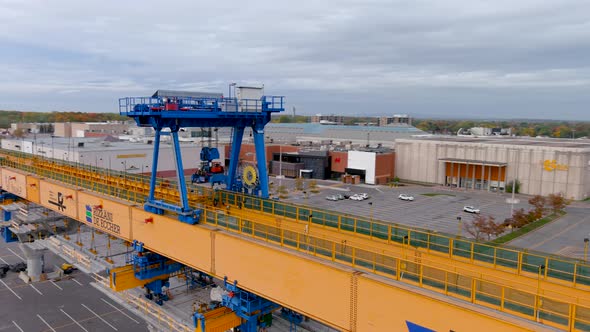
(470, 209)
(364, 195)
(405, 197)
(356, 197)
(332, 198)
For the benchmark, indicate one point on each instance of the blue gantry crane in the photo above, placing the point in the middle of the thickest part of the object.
(174, 113)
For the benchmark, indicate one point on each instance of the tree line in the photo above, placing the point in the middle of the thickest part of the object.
(8, 117)
(555, 129)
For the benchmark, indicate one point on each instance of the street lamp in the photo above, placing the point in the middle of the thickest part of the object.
(459, 227)
(586, 240)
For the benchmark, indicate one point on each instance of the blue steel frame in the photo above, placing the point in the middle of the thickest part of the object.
(174, 113)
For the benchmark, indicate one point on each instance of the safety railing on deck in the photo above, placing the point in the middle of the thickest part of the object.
(409, 267)
(133, 187)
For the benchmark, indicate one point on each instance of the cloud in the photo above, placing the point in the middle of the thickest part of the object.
(457, 50)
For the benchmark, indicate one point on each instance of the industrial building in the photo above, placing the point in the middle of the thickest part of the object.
(89, 129)
(321, 161)
(308, 133)
(109, 152)
(541, 166)
(396, 119)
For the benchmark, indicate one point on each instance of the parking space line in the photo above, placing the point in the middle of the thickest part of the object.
(43, 320)
(95, 314)
(75, 321)
(76, 281)
(54, 284)
(5, 262)
(10, 289)
(17, 255)
(15, 324)
(35, 288)
(121, 311)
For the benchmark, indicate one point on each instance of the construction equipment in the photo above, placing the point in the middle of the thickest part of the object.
(149, 270)
(175, 112)
(239, 308)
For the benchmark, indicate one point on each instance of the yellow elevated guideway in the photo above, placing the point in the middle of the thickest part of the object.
(347, 272)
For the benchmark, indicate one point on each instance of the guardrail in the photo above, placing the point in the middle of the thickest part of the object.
(409, 267)
(133, 187)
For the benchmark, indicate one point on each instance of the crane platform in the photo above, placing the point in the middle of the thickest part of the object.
(348, 272)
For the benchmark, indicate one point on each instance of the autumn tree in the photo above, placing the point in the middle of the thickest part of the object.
(482, 225)
(519, 218)
(313, 186)
(476, 227)
(299, 184)
(538, 202)
(557, 202)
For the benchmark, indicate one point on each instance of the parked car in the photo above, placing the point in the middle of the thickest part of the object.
(340, 197)
(332, 198)
(364, 195)
(470, 209)
(405, 197)
(356, 197)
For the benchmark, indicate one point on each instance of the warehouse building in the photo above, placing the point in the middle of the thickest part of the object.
(541, 166)
(111, 153)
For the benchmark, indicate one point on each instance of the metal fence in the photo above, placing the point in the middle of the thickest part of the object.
(551, 309)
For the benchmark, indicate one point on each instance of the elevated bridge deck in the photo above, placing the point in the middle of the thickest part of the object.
(361, 270)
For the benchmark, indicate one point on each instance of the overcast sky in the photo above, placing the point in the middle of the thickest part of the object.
(451, 58)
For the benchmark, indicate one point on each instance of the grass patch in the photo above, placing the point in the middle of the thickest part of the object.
(528, 228)
(436, 194)
(587, 199)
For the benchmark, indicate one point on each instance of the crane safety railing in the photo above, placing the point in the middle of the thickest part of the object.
(409, 267)
(152, 105)
(134, 187)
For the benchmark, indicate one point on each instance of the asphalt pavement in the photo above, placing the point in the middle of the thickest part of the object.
(70, 304)
(564, 236)
(433, 208)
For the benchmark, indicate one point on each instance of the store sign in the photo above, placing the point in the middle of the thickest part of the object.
(102, 219)
(552, 165)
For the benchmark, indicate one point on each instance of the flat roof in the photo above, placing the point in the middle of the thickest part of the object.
(511, 140)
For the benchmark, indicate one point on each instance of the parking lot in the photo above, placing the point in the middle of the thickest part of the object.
(433, 208)
(70, 304)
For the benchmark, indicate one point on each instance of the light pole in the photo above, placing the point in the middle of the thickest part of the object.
(459, 226)
(586, 240)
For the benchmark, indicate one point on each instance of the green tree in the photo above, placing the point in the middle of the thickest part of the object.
(516, 186)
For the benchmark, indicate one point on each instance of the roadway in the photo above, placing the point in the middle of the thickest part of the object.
(69, 304)
(564, 236)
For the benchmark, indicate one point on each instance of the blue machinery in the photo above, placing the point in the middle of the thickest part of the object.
(151, 266)
(250, 310)
(174, 113)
